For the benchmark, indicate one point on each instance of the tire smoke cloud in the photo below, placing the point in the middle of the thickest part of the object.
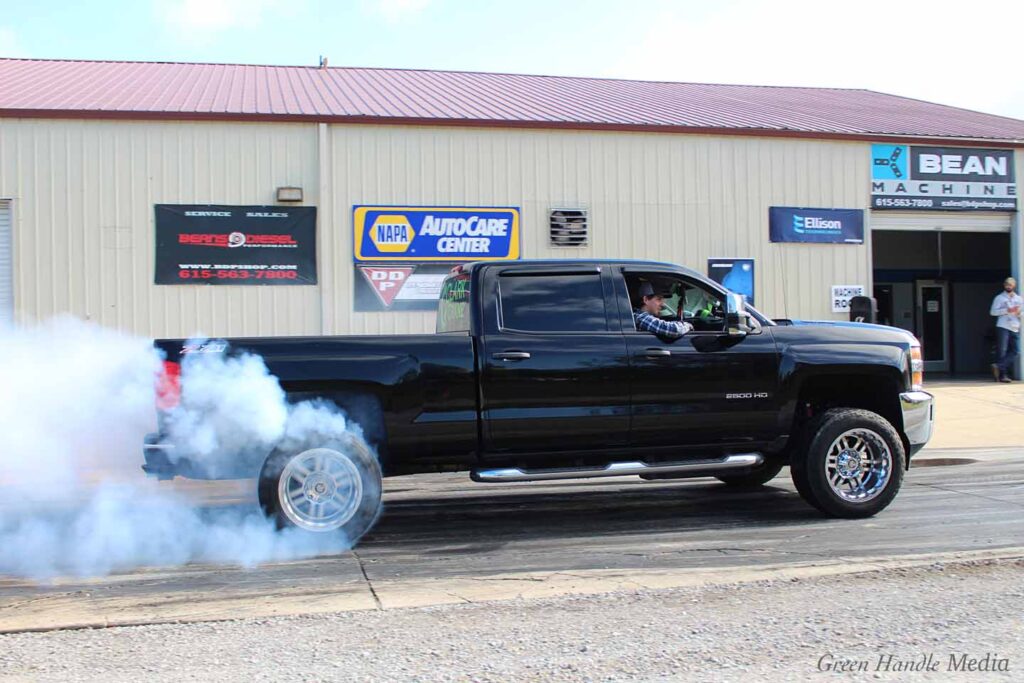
(77, 399)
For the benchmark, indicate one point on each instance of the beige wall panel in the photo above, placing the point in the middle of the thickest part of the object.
(84, 236)
(677, 198)
(84, 193)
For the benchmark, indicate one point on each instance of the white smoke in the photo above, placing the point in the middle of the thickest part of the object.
(75, 402)
(230, 406)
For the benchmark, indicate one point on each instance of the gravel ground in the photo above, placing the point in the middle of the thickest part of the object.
(760, 631)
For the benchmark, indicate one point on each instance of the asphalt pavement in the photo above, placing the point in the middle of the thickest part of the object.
(443, 539)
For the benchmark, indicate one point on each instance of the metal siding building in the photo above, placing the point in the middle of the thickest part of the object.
(673, 172)
(85, 192)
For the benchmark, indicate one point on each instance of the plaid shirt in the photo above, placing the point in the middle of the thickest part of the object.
(645, 322)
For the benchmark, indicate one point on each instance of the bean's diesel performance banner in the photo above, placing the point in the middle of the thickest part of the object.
(235, 245)
(916, 178)
(820, 226)
(735, 274)
(435, 233)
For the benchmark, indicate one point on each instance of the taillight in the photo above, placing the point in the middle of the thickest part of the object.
(168, 386)
(916, 369)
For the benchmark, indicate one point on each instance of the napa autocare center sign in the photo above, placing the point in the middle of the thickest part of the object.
(403, 253)
(440, 233)
(235, 245)
(818, 226)
(912, 177)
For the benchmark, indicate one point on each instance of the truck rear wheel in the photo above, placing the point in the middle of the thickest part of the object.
(852, 463)
(759, 477)
(331, 487)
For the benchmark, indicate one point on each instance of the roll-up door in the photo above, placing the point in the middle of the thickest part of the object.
(950, 221)
(6, 264)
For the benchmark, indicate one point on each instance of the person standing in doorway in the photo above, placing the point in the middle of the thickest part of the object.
(1008, 308)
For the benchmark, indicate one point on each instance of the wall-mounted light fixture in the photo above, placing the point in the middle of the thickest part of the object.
(289, 194)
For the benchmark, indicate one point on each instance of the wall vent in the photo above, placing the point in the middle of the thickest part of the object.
(568, 227)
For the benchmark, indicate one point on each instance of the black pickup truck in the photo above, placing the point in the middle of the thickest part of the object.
(538, 372)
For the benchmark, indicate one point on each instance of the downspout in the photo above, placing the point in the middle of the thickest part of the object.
(325, 238)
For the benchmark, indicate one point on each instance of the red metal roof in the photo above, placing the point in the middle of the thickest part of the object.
(207, 91)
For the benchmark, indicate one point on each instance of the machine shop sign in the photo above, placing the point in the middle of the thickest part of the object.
(821, 226)
(942, 178)
(435, 233)
(235, 245)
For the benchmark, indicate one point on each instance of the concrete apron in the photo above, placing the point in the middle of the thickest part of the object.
(977, 414)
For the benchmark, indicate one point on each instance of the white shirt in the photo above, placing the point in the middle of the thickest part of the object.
(1001, 306)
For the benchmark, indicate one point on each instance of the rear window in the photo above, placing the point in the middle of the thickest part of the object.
(453, 307)
(552, 303)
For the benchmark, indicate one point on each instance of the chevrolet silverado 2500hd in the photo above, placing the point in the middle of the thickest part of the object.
(537, 372)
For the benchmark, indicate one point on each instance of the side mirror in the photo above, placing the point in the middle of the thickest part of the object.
(738, 321)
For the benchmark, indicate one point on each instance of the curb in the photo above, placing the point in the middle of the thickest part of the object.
(398, 594)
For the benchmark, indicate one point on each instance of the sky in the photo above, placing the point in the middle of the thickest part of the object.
(963, 53)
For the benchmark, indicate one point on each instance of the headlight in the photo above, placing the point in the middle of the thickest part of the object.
(916, 368)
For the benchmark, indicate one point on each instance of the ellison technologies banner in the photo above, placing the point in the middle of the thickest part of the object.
(235, 245)
(435, 233)
(822, 226)
(916, 178)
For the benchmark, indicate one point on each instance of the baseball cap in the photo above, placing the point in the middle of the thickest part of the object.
(647, 289)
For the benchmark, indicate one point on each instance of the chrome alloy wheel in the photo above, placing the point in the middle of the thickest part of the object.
(319, 489)
(858, 465)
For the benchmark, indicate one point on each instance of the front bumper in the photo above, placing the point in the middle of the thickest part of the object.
(918, 418)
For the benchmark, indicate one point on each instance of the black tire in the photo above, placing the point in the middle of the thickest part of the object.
(352, 486)
(759, 477)
(810, 463)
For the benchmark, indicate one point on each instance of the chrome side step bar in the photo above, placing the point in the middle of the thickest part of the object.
(693, 468)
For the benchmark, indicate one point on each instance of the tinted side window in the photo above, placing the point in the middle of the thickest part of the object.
(552, 303)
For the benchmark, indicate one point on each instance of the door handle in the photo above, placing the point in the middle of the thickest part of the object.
(653, 353)
(510, 355)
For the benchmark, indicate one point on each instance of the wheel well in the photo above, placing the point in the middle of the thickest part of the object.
(877, 393)
(362, 408)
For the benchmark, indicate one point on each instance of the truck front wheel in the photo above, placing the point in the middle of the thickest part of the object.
(332, 487)
(852, 463)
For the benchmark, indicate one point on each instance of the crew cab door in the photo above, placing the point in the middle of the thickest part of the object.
(553, 365)
(706, 389)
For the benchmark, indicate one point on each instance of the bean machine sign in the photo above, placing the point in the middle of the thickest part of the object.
(942, 178)
(404, 253)
(235, 245)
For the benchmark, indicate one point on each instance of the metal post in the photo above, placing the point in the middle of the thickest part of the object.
(1017, 247)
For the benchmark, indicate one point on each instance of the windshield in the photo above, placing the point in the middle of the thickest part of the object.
(761, 317)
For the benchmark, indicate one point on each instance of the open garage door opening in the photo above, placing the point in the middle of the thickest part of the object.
(939, 284)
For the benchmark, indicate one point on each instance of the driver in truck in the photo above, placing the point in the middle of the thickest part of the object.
(646, 315)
